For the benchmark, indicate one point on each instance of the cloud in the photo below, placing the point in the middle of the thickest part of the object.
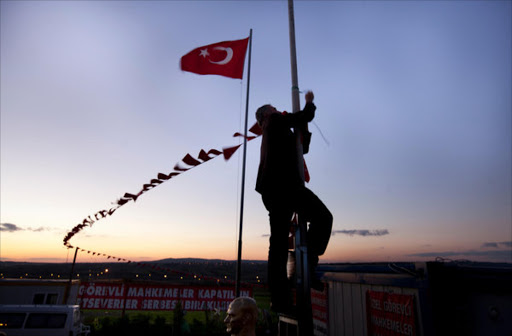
(40, 229)
(45, 260)
(8, 227)
(364, 233)
(497, 244)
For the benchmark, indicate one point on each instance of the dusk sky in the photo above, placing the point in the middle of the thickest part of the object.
(411, 147)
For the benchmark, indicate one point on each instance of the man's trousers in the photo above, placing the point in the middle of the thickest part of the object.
(281, 205)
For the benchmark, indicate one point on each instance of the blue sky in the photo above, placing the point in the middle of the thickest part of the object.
(414, 103)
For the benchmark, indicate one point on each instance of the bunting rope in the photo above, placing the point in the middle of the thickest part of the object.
(188, 162)
(158, 268)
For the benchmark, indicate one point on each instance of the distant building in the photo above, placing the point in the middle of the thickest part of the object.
(31, 291)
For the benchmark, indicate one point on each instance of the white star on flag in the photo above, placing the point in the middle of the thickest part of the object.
(204, 53)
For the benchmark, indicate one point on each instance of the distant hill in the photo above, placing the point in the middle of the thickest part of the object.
(201, 260)
(181, 270)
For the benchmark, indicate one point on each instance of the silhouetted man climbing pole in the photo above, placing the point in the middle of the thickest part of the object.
(283, 193)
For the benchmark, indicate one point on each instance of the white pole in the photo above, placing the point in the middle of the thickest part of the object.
(239, 259)
(295, 84)
(304, 313)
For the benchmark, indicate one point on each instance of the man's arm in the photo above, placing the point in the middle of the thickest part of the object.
(309, 97)
(309, 109)
(297, 119)
(300, 118)
(309, 114)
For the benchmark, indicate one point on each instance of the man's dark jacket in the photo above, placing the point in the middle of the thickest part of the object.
(278, 169)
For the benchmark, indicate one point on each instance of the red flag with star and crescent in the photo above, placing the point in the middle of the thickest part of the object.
(223, 58)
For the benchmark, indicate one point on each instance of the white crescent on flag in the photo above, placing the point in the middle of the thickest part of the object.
(229, 55)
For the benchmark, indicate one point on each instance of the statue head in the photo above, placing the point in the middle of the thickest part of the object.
(242, 316)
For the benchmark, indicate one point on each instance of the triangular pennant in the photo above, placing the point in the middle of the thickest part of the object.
(188, 159)
(228, 152)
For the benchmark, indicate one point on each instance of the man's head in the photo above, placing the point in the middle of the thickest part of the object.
(242, 316)
(263, 112)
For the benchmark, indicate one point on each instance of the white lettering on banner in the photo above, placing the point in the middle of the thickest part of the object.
(116, 291)
(154, 297)
(90, 290)
(217, 293)
(192, 305)
(133, 291)
(160, 292)
(98, 290)
(107, 303)
(397, 308)
(375, 304)
(171, 292)
(396, 326)
(187, 293)
(132, 304)
(390, 313)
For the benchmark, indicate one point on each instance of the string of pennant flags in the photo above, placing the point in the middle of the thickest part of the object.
(163, 269)
(188, 162)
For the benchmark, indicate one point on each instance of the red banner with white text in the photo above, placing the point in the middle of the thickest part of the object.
(129, 296)
(390, 314)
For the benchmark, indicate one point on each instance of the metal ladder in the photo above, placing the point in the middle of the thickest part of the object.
(302, 323)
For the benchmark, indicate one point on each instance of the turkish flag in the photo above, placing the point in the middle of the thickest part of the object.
(224, 59)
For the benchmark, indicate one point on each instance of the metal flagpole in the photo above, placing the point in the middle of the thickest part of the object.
(239, 259)
(303, 290)
(295, 80)
(70, 282)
